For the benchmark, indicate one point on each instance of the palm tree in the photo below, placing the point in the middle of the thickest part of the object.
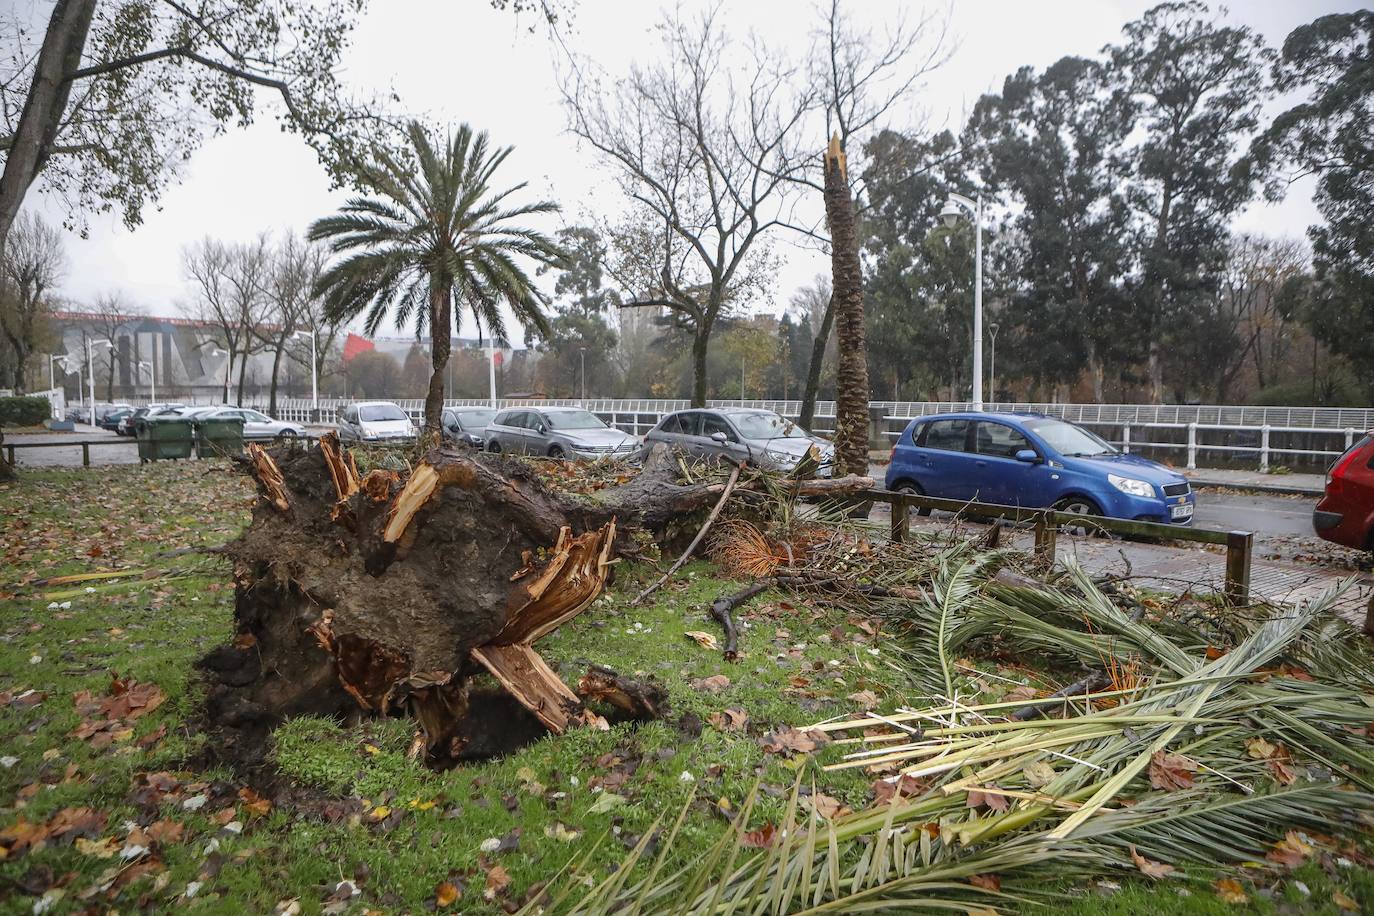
(434, 235)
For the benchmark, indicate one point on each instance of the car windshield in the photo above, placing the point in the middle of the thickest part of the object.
(1069, 440)
(767, 426)
(574, 419)
(475, 417)
(376, 413)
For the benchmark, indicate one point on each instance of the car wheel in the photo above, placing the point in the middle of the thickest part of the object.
(1077, 505)
(556, 451)
(912, 489)
(286, 435)
(494, 447)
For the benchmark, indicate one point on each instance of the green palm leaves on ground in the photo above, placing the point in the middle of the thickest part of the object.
(1268, 756)
(435, 236)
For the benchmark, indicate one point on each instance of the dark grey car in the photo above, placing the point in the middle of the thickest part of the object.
(558, 432)
(467, 425)
(759, 437)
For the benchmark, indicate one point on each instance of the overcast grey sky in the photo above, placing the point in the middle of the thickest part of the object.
(460, 60)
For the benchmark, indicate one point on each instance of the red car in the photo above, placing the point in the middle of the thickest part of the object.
(1345, 514)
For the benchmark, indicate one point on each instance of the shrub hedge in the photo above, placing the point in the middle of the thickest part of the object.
(24, 411)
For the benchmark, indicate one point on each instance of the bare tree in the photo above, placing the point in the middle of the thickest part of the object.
(293, 269)
(229, 288)
(818, 305)
(698, 140)
(1275, 262)
(32, 264)
(106, 318)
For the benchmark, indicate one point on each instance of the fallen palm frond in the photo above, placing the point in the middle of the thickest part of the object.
(1194, 754)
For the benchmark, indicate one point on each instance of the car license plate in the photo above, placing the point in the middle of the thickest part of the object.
(1178, 513)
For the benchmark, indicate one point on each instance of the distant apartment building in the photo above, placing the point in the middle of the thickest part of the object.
(184, 358)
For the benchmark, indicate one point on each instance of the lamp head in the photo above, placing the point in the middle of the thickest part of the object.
(951, 213)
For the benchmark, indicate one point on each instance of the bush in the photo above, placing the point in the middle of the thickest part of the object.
(25, 411)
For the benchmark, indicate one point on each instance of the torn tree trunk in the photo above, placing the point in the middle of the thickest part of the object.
(386, 593)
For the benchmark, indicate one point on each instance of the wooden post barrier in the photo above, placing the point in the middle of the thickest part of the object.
(1240, 546)
(901, 518)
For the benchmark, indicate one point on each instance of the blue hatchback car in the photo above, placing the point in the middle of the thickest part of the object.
(1034, 461)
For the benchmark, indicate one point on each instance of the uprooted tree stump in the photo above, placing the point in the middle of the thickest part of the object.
(386, 593)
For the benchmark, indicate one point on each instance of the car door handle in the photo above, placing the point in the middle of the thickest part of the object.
(980, 463)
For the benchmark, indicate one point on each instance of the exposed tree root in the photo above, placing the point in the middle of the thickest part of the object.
(386, 593)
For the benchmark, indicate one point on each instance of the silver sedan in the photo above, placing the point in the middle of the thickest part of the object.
(759, 437)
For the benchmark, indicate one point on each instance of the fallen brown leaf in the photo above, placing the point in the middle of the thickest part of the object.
(904, 786)
(828, 806)
(733, 719)
(446, 894)
(759, 839)
(787, 740)
(498, 880)
(713, 684)
(1171, 771)
(1229, 889)
(1149, 868)
(990, 800)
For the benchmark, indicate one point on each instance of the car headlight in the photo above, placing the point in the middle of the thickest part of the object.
(1131, 486)
(474, 440)
(783, 459)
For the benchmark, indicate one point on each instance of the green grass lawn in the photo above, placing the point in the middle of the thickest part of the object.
(355, 823)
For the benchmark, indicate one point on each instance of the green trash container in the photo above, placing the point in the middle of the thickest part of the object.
(216, 438)
(169, 437)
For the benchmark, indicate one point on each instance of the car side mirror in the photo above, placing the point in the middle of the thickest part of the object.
(719, 437)
(1028, 455)
(541, 429)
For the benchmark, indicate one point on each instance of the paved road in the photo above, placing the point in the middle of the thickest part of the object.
(121, 450)
(1267, 515)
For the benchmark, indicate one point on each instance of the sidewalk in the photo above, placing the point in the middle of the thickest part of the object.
(1186, 567)
(1294, 484)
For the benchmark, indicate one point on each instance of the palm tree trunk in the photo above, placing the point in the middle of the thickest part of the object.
(813, 372)
(851, 376)
(440, 341)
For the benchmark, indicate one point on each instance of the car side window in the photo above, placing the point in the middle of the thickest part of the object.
(713, 423)
(999, 440)
(946, 435)
(672, 424)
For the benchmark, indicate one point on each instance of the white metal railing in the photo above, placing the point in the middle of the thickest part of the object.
(1254, 431)
(1264, 450)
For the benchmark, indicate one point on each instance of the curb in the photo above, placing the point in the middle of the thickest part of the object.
(1198, 482)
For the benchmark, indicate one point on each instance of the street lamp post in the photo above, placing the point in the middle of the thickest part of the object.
(314, 377)
(90, 370)
(52, 375)
(992, 382)
(152, 381)
(955, 208)
(228, 366)
(582, 355)
(491, 372)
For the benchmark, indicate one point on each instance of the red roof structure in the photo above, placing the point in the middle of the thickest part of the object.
(355, 345)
